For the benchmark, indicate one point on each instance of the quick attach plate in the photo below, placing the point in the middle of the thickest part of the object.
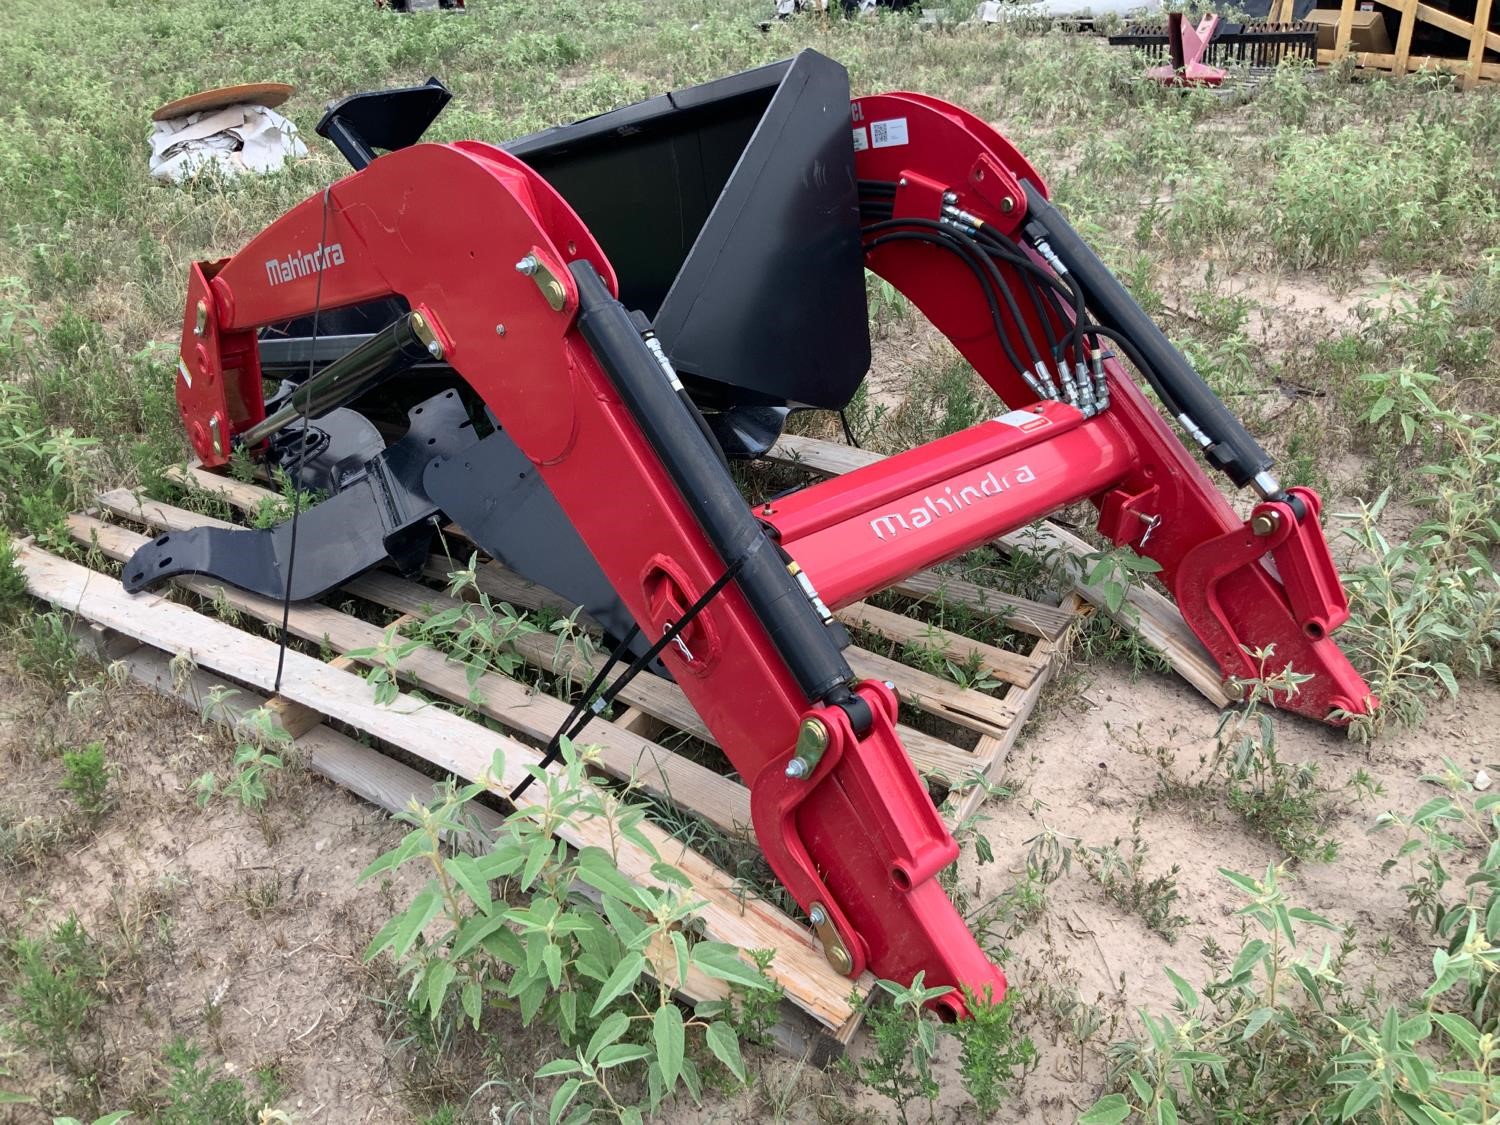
(386, 514)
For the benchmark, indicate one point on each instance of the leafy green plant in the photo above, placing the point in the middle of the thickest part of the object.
(482, 634)
(903, 1043)
(12, 582)
(45, 471)
(1283, 801)
(1124, 879)
(46, 650)
(198, 1093)
(580, 963)
(1469, 924)
(86, 777)
(1278, 1035)
(993, 1055)
(1115, 572)
(1427, 610)
(56, 990)
(384, 662)
(278, 508)
(260, 754)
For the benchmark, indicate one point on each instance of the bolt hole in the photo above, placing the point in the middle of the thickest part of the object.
(901, 877)
(162, 542)
(418, 410)
(166, 562)
(1313, 630)
(432, 441)
(521, 476)
(137, 576)
(449, 394)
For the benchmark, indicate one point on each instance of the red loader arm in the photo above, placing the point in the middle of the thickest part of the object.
(843, 818)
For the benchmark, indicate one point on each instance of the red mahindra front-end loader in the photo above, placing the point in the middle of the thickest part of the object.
(559, 343)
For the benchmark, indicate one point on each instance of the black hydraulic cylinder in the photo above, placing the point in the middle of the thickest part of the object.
(794, 626)
(393, 349)
(1229, 445)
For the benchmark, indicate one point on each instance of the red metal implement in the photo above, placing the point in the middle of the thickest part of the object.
(844, 820)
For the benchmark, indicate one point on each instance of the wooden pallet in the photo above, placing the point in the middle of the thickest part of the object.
(322, 700)
(1152, 615)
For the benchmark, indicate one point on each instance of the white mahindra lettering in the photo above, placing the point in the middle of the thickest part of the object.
(303, 264)
(936, 507)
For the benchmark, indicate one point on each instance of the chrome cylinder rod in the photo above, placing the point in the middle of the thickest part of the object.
(393, 349)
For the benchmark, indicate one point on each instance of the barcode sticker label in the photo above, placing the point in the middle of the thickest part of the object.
(1024, 420)
(861, 139)
(888, 134)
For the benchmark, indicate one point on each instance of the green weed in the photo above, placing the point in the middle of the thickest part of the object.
(197, 1092)
(55, 990)
(560, 957)
(86, 777)
(1122, 874)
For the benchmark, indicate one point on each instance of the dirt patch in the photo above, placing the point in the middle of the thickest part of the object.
(239, 932)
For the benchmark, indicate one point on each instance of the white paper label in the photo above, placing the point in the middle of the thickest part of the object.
(861, 139)
(182, 369)
(889, 133)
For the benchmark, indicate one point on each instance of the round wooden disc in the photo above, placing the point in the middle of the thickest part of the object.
(268, 94)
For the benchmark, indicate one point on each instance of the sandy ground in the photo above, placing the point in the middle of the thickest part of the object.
(241, 933)
(244, 934)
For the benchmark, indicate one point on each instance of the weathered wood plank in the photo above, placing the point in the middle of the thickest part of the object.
(449, 742)
(1021, 614)
(1464, 29)
(1410, 9)
(1011, 667)
(1151, 614)
(1477, 41)
(1342, 31)
(1370, 60)
(972, 710)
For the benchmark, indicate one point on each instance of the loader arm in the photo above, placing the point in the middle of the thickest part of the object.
(519, 299)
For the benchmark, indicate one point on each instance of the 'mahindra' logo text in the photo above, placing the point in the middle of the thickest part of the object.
(936, 507)
(299, 264)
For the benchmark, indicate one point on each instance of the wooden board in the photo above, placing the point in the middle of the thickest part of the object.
(1149, 613)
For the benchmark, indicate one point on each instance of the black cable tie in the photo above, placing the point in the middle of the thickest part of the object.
(584, 711)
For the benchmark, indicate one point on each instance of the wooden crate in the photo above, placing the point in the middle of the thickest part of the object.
(819, 1013)
(1470, 67)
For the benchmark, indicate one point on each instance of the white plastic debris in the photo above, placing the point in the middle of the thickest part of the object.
(989, 11)
(1481, 781)
(235, 139)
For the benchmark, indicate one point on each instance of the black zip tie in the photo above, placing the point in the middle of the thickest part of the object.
(585, 709)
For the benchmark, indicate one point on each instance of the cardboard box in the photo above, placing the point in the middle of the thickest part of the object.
(1366, 30)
